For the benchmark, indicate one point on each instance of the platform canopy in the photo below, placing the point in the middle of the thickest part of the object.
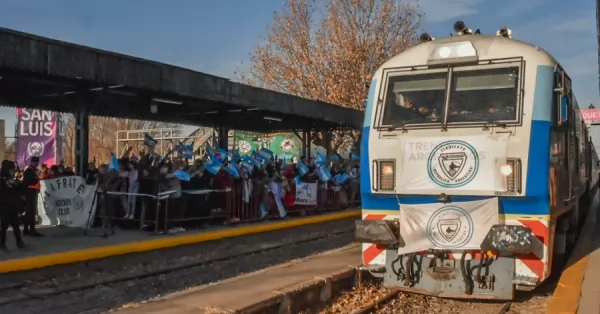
(38, 72)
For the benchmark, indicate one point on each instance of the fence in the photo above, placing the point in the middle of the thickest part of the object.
(166, 210)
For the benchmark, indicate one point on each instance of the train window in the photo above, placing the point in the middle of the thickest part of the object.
(414, 99)
(484, 94)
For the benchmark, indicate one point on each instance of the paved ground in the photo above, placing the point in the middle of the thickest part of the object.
(240, 292)
(590, 289)
(60, 240)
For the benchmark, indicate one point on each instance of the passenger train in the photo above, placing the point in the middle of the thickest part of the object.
(477, 167)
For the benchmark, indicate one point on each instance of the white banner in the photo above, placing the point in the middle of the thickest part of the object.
(464, 163)
(306, 193)
(66, 201)
(455, 226)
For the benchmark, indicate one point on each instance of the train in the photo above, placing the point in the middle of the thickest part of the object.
(477, 167)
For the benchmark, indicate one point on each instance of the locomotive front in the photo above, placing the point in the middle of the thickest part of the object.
(445, 144)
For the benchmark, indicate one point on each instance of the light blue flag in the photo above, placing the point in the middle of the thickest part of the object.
(264, 155)
(181, 175)
(323, 173)
(188, 151)
(210, 151)
(254, 159)
(341, 178)
(247, 164)
(213, 166)
(232, 170)
(335, 157)
(283, 165)
(302, 168)
(236, 156)
(180, 147)
(321, 158)
(221, 154)
(114, 162)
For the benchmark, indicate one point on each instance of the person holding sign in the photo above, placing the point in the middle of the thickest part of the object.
(9, 204)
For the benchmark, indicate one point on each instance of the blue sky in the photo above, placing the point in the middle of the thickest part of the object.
(217, 36)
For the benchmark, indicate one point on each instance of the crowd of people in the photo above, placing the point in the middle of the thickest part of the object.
(126, 190)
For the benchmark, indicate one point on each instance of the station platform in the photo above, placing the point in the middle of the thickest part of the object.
(578, 290)
(63, 245)
(240, 294)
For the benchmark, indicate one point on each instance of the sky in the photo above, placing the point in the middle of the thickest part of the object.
(217, 37)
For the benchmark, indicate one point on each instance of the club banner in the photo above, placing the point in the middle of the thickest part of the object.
(66, 201)
(462, 163)
(460, 225)
(306, 193)
(36, 136)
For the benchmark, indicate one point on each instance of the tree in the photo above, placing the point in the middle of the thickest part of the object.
(332, 58)
(10, 149)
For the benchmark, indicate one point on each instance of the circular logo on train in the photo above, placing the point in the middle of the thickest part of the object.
(453, 164)
(450, 227)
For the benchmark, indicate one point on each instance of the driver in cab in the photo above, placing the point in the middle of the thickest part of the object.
(408, 107)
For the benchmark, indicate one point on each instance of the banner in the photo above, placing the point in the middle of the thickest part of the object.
(66, 201)
(455, 226)
(431, 164)
(36, 134)
(306, 193)
(590, 115)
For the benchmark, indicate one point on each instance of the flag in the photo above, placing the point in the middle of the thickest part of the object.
(264, 155)
(341, 178)
(149, 140)
(236, 156)
(323, 173)
(210, 152)
(188, 152)
(213, 166)
(247, 164)
(254, 159)
(221, 154)
(232, 170)
(181, 175)
(283, 165)
(335, 157)
(302, 168)
(114, 162)
(321, 158)
(180, 147)
(275, 188)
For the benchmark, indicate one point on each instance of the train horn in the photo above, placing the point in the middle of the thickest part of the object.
(425, 38)
(504, 32)
(461, 28)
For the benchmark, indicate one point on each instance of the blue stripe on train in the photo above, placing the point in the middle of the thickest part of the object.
(536, 201)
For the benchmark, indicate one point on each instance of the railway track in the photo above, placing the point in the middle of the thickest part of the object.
(108, 292)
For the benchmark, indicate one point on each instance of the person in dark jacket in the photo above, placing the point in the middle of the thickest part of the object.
(30, 181)
(10, 191)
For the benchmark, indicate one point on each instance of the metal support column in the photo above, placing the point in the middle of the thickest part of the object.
(82, 128)
(223, 137)
(327, 136)
(303, 139)
(308, 144)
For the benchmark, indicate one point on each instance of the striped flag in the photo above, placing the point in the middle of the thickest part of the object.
(213, 166)
(149, 140)
(302, 168)
(232, 170)
(264, 155)
(323, 173)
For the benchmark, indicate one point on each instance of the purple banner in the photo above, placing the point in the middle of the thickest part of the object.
(36, 136)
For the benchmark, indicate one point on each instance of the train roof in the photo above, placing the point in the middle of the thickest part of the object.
(487, 46)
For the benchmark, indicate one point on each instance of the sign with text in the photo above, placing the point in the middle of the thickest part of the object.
(306, 193)
(590, 114)
(66, 201)
(36, 131)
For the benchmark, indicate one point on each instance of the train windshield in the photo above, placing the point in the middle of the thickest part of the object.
(478, 94)
(483, 94)
(415, 99)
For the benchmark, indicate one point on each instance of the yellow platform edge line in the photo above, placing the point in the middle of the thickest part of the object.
(75, 256)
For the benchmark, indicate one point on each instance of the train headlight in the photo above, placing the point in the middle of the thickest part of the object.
(506, 170)
(387, 175)
(453, 50)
